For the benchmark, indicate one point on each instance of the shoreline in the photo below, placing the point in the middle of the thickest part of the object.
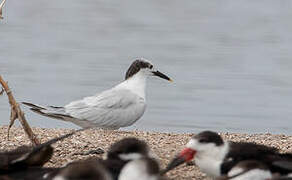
(164, 145)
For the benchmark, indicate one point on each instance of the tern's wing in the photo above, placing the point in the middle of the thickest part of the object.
(111, 109)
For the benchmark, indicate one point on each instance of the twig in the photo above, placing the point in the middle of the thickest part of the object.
(1, 7)
(16, 113)
(2, 91)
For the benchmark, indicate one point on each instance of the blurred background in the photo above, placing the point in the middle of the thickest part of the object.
(230, 60)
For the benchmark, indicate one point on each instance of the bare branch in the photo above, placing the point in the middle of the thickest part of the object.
(1, 7)
(16, 113)
(13, 116)
(1, 92)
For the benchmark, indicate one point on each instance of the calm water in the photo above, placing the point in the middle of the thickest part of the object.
(231, 60)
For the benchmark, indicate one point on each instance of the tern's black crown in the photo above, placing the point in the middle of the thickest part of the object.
(209, 137)
(136, 66)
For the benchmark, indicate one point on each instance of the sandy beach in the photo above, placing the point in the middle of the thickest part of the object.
(164, 145)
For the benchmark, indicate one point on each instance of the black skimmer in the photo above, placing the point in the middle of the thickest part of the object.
(26, 162)
(215, 156)
(27, 156)
(285, 165)
(120, 106)
(282, 178)
(124, 151)
(143, 169)
(29, 173)
(246, 170)
(118, 155)
(91, 169)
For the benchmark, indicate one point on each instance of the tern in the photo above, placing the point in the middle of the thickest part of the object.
(215, 156)
(120, 106)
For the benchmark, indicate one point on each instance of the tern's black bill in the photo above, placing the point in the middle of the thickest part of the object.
(174, 163)
(163, 76)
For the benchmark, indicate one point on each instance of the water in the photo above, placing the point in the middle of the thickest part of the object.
(230, 60)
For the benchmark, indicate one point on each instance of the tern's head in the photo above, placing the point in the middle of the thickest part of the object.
(205, 144)
(128, 149)
(144, 67)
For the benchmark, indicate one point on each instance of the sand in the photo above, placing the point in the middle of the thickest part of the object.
(164, 145)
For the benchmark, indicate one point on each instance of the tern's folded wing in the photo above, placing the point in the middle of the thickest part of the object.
(112, 108)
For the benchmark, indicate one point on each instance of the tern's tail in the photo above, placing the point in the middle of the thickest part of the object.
(49, 111)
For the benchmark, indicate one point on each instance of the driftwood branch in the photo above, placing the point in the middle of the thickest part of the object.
(2, 91)
(16, 113)
(1, 7)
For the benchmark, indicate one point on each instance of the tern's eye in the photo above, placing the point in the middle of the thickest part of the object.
(151, 66)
